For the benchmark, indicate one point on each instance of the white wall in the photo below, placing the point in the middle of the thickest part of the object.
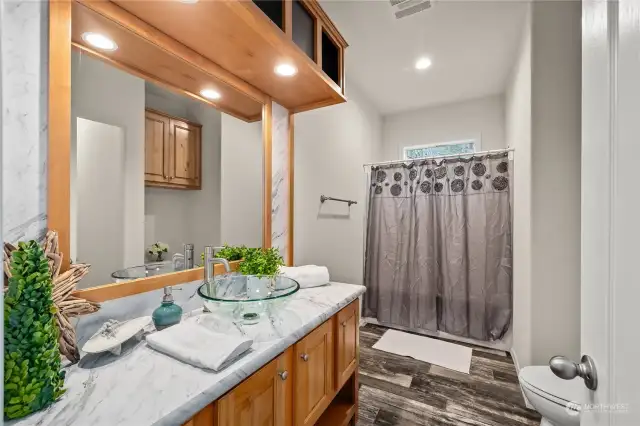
(555, 204)
(188, 216)
(101, 209)
(543, 107)
(518, 135)
(481, 119)
(24, 33)
(331, 145)
(102, 93)
(241, 193)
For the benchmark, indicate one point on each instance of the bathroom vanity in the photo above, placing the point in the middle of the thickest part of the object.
(312, 381)
(278, 58)
(301, 370)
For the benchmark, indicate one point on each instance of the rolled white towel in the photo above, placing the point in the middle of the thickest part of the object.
(307, 276)
(196, 345)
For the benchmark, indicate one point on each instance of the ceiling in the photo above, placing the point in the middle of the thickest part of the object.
(472, 45)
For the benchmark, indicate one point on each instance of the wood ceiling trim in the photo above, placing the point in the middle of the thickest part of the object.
(151, 34)
(242, 39)
(253, 16)
(167, 85)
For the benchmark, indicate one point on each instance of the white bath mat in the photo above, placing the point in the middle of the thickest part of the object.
(433, 351)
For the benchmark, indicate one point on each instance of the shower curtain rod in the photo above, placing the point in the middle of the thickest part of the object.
(494, 151)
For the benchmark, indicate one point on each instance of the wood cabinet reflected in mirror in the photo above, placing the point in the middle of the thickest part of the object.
(172, 152)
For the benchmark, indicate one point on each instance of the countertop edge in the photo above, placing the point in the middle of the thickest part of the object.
(191, 407)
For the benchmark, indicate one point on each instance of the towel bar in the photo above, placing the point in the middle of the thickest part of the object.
(349, 202)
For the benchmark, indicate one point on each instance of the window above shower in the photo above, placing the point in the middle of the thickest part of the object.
(440, 149)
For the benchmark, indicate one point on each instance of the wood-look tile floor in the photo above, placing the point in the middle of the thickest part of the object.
(397, 390)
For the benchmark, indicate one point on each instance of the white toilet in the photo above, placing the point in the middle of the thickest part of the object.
(554, 398)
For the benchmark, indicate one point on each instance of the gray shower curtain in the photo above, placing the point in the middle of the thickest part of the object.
(438, 246)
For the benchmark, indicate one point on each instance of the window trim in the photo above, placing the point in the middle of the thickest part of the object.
(476, 146)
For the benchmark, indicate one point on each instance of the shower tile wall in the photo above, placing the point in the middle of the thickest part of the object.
(24, 32)
(280, 180)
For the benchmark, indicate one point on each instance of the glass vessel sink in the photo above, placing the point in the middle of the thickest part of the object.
(143, 271)
(247, 297)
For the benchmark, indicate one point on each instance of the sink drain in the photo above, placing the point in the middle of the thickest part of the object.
(250, 318)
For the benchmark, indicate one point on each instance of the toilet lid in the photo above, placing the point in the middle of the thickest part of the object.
(542, 381)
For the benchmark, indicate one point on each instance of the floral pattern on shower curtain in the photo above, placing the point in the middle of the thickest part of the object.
(438, 246)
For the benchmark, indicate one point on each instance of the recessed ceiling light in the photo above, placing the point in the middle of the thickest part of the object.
(210, 94)
(286, 70)
(189, 1)
(423, 63)
(99, 41)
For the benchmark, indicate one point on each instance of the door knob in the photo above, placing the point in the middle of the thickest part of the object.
(567, 370)
(304, 357)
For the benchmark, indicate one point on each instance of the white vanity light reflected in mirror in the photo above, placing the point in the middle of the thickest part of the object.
(100, 41)
(210, 94)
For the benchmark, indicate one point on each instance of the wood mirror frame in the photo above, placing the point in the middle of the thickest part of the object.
(59, 155)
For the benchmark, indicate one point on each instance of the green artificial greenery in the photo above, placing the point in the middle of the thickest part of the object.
(234, 253)
(33, 377)
(255, 261)
(231, 253)
(261, 262)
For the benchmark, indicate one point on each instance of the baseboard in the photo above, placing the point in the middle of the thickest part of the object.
(514, 356)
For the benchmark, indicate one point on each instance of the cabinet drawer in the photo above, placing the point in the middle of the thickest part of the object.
(347, 342)
(314, 374)
(263, 399)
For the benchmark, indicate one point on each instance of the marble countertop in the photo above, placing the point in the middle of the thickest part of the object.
(144, 387)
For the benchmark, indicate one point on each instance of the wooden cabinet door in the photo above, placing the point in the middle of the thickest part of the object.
(264, 399)
(204, 418)
(156, 147)
(346, 342)
(184, 158)
(314, 374)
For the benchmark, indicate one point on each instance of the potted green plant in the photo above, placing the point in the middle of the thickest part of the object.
(254, 261)
(33, 377)
(261, 262)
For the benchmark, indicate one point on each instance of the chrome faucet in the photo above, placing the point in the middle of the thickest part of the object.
(210, 260)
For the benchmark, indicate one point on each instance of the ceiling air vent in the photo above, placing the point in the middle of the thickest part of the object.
(404, 8)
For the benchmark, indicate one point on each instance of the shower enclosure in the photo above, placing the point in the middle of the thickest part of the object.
(438, 246)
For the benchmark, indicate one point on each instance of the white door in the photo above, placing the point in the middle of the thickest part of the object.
(610, 300)
(99, 194)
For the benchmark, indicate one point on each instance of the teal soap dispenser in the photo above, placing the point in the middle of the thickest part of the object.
(168, 313)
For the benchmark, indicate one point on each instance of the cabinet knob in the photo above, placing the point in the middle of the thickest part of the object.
(304, 357)
(283, 375)
(344, 323)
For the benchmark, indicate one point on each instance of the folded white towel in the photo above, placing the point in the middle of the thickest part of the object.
(307, 276)
(194, 344)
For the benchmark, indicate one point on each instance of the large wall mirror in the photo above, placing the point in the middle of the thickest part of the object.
(154, 170)
(161, 153)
